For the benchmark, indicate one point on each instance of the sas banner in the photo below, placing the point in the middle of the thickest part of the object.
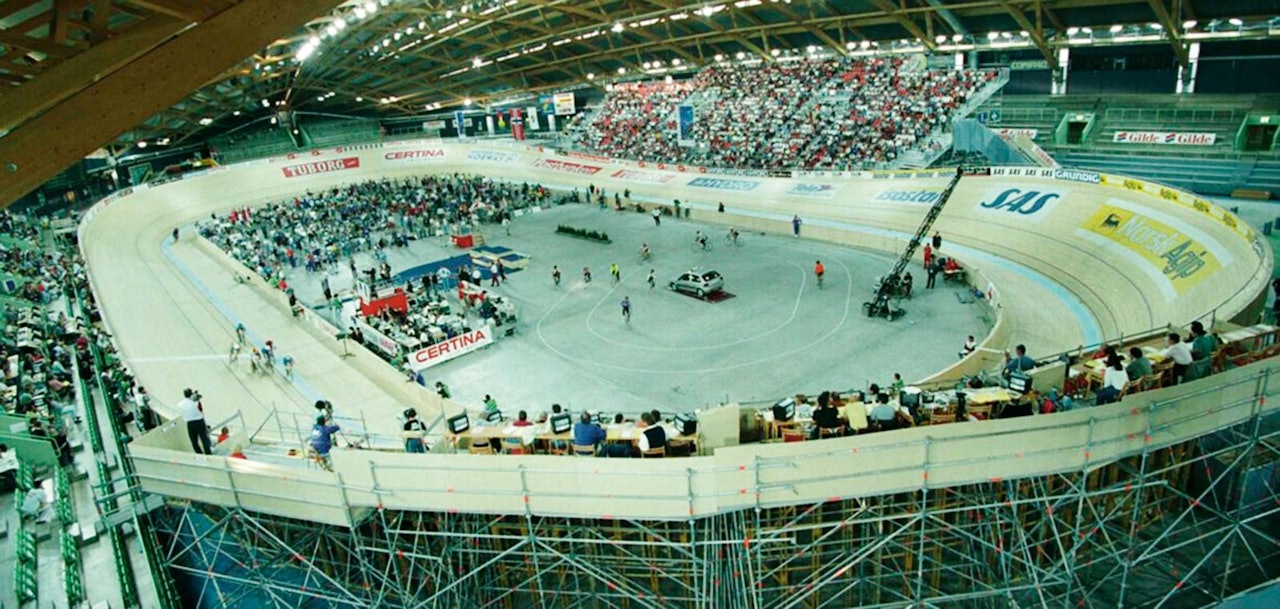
(1165, 137)
(1181, 259)
(461, 344)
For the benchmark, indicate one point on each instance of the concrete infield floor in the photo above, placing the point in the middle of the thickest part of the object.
(779, 335)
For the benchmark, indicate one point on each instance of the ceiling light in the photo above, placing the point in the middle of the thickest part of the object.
(617, 27)
(466, 102)
(591, 75)
(1236, 21)
(340, 24)
(359, 99)
(477, 62)
(866, 44)
(1155, 26)
(940, 39)
(647, 65)
(236, 113)
(321, 98)
(741, 55)
(266, 104)
(360, 14)
(370, 7)
(994, 35)
(1024, 34)
(675, 62)
(206, 121)
(668, 79)
(719, 57)
(1116, 29)
(957, 38)
(273, 120)
(812, 49)
(142, 144)
(1006, 34)
(1072, 31)
(622, 70)
(774, 52)
(1190, 23)
(1086, 30)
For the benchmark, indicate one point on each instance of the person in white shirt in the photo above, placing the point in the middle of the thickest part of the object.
(970, 346)
(193, 413)
(1180, 353)
(1114, 379)
(653, 436)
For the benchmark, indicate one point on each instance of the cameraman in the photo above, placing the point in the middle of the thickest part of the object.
(193, 413)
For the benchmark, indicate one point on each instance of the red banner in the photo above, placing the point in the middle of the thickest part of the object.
(517, 124)
(306, 169)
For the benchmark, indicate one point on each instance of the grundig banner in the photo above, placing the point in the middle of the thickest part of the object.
(441, 352)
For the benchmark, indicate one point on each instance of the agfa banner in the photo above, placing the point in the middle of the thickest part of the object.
(449, 349)
(306, 169)
(1165, 137)
(423, 155)
(724, 184)
(1182, 260)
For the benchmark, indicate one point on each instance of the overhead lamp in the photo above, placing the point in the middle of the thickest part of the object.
(1236, 21)
(370, 7)
(657, 63)
(1155, 26)
(866, 44)
(331, 30)
(940, 39)
(1086, 30)
(340, 24)
(1006, 34)
(360, 14)
(359, 99)
(1188, 24)
(320, 98)
(397, 36)
(647, 65)
(676, 61)
(273, 120)
(774, 52)
(957, 37)
(236, 113)
(668, 79)
(741, 55)
(994, 35)
(206, 121)
(466, 102)
(1072, 31)
(812, 49)
(617, 27)
(1024, 34)
(142, 143)
(719, 57)
(622, 71)
(266, 104)
(1116, 29)
(591, 75)
(476, 62)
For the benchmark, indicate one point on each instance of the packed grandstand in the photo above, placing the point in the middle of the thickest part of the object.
(841, 114)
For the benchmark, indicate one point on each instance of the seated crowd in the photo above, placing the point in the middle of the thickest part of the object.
(317, 231)
(841, 114)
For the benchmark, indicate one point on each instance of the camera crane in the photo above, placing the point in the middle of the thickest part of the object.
(880, 306)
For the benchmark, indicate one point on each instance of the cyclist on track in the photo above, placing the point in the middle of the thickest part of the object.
(733, 235)
(626, 309)
(819, 270)
(645, 254)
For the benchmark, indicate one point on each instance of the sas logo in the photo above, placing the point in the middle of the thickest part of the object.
(1021, 202)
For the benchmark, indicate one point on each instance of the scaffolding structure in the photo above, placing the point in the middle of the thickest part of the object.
(1181, 524)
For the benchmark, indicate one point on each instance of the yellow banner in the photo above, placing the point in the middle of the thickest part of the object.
(1182, 260)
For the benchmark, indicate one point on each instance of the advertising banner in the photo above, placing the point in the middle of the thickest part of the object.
(564, 104)
(444, 351)
(306, 169)
(1181, 258)
(1165, 137)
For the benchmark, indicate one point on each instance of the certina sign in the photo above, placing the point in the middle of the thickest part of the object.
(642, 176)
(306, 169)
(724, 184)
(411, 156)
(449, 349)
(924, 196)
(1165, 137)
(567, 167)
(491, 156)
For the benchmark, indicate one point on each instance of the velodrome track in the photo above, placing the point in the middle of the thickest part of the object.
(1070, 262)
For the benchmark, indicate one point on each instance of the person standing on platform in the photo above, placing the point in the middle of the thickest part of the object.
(502, 271)
(795, 224)
(937, 241)
(413, 432)
(933, 271)
(493, 275)
(193, 413)
(322, 440)
(928, 255)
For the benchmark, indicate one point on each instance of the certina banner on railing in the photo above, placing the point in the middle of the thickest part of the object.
(441, 352)
(1165, 137)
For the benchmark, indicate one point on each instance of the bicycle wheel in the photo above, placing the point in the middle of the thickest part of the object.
(728, 240)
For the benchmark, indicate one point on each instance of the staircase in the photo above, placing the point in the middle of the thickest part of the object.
(926, 152)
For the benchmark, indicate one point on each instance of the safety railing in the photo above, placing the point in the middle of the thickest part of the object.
(734, 478)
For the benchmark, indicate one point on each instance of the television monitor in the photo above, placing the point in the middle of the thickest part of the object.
(686, 424)
(459, 423)
(561, 423)
(494, 416)
(784, 410)
(1019, 382)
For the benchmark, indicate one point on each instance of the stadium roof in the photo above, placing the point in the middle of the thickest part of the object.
(408, 57)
